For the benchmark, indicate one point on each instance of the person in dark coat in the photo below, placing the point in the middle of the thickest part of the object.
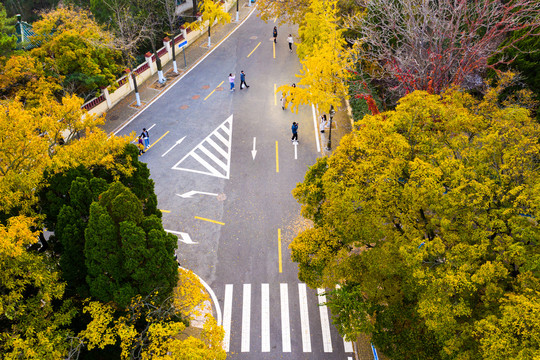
(294, 129)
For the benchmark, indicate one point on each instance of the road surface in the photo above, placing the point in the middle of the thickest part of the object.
(224, 168)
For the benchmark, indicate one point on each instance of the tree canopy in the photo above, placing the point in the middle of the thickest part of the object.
(7, 30)
(427, 218)
(432, 45)
(127, 253)
(76, 49)
(324, 58)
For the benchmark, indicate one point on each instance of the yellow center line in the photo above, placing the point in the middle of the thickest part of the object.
(274, 46)
(252, 51)
(275, 95)
(279, 250)
(213, 90)
(155, 142)
(165, 211)
(213, 221)
(277, 158)
(275, 19)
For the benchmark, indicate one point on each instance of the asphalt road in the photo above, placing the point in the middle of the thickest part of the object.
(231, 207)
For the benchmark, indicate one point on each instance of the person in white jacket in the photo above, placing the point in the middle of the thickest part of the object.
(290, 41)
(323, 123)
(231, 81)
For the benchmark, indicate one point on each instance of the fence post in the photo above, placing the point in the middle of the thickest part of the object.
(184, 31)
(107, 97)
(167, 44)
(130, 80)
(148, 58)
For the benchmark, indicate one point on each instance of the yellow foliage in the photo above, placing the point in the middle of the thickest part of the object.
(189, 294)
(290, 11)
(99, 332)
(23, 76)
(428, 214)
(325, 61)
(152, 330)
(49, 136)
(16, 236)
(212, 13)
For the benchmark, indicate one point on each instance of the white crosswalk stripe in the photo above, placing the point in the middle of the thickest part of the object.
(212, 156)
(325, 322)
(277, 318)
(285, 322)
(227, 307)
(265, 318)
(246, 317)
(304, 318)
(347, 344)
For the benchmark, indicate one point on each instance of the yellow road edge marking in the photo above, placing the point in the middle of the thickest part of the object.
(155, 142)
(165, 211)
(279, 251)
(274, 46)
(275, 94)
(252, 51)
(213, 90)
(277, 158)
(213, 221)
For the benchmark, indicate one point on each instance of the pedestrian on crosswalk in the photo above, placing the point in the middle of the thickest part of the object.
(294, 129)
(274, 34)
(243, 80)
(231, 81)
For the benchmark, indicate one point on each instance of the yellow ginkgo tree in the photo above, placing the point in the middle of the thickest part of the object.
(427, 218)
(325, 61)
(212, 13)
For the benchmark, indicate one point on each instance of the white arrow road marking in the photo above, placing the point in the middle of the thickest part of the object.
(295, 150)
(182, 236)
(190, 194)
(254, 152)
(172, 147)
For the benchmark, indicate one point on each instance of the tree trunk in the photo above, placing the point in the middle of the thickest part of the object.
(175, 68)
(161, 78)
(195, 8)
(137, 96)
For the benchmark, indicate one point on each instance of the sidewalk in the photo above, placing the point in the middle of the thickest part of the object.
(122, 112)
(341, 125)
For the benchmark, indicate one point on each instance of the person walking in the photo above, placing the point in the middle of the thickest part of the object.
(283, 100)
(294, 129)
(146, 138)
(243, 80)
(140, 145)
(231, 81)
(274, 34)
(323, 122)
(290, 41)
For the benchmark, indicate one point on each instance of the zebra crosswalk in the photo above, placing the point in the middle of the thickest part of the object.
(253, 322)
